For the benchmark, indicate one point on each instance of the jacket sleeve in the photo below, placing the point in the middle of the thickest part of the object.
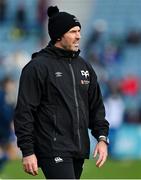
(29, 96)
(97, 122)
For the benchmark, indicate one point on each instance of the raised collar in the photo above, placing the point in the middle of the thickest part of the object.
(63, 53)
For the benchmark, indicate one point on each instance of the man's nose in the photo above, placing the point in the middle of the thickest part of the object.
(78, 35)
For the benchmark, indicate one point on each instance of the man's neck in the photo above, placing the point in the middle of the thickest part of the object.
(58, 45)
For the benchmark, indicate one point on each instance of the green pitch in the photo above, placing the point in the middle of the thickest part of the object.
(111, 170)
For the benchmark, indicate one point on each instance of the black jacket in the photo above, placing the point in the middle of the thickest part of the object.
(59, 99)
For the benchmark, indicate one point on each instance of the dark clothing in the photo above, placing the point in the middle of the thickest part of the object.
(59, 99)
(68, 168)
(6, 115)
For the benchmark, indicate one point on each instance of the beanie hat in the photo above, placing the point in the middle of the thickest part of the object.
(60, 23)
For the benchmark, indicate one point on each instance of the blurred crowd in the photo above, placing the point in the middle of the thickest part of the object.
(21, 22)
(121, 89)
(105, 52)
(15, 26)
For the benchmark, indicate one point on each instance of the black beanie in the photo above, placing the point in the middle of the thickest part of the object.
(60, 23)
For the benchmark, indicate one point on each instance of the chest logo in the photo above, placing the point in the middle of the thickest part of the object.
(85, 73)
(58, 74)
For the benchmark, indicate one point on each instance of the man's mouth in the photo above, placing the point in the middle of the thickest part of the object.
(76, 44)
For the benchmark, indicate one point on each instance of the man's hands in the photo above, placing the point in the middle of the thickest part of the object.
(101, 150)
(30, 164)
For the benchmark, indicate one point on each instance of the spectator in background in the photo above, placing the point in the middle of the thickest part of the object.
(95, 40)
(20, 17)
(14, 62)
(132, 115)
(3, 10)
(111, 54)
(7, 138)
(133, 37)
(115, 109)
(12, 66)
(41, 12)
(100, 70)
(41, 20)
(129, 85)
(20, 26)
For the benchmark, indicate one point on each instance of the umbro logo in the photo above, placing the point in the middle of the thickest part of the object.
(58, 74)
(85, 73)
(58, 159)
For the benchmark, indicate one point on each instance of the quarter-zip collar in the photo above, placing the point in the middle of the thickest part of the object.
(53, 51)
(63, 53)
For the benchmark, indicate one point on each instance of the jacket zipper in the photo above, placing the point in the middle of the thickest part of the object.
(76, 100)
(54, 137)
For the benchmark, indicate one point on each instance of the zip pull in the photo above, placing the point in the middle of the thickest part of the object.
(73, 54)
(70, 60)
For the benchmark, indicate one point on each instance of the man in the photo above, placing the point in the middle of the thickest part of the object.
(59, 99)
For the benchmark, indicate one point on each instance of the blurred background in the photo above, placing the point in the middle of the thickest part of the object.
(111, 42)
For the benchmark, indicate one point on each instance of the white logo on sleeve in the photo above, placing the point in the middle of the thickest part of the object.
(85, 73)
(58, 159)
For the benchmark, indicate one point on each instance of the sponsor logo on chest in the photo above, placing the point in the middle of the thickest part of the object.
(85, 73)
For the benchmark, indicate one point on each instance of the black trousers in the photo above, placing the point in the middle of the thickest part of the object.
(62, 168)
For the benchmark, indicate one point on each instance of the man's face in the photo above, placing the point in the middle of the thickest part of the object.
(70, 40)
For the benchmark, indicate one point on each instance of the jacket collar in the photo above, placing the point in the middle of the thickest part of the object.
(61, 52)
